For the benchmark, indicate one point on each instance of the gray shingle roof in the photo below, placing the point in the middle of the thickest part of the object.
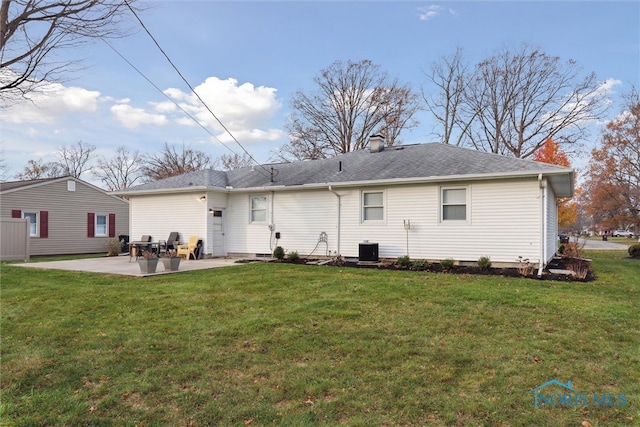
(11, 185)
(417, 161)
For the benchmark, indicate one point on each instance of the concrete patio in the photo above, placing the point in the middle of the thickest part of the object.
(121, 265)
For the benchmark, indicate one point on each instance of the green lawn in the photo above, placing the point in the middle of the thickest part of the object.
(280, 344)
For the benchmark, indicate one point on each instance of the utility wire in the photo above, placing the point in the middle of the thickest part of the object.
(191, 87)
(167, 96)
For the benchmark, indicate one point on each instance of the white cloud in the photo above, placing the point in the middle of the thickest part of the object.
(253, 135)
(50, 102)
(243, 108)
(426, 13)
(607, 87)
(131, 117)
(164, 107)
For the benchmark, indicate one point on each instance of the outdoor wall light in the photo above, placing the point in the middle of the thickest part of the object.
(202, 198)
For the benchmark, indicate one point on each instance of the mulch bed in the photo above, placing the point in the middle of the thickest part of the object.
(562, 264)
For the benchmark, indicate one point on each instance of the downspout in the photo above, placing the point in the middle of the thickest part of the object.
(338, 222)
(273, 196)
(272, 224)
(543, 225)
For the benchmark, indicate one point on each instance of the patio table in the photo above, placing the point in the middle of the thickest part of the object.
(140, 246)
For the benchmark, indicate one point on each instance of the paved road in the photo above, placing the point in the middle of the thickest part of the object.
(601, 245)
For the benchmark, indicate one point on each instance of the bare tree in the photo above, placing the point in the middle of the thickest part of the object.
(444, 96)
(352, 102)
(37, 169)
(398, 107)
(515, 100)
(75, 160)
(235, 161)
(32, 30)
(170, 162)
(3, 163)
(120, 171)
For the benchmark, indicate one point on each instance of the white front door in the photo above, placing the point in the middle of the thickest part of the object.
(217, 233)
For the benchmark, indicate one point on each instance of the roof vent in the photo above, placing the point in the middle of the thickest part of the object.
(376, 143)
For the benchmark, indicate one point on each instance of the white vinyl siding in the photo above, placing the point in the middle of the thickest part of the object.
(299, 217)
(506, 222)
(372, 206)
(551, 234)
(181, 212)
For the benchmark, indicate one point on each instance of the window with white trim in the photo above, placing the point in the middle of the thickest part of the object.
(258, 209)
(372, 206)
(454, 204)
(33, 222)
(102, 229)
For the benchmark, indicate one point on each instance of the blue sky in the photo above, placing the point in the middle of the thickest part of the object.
(246, 59)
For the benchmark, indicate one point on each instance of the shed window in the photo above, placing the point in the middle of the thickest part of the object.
(373, 206)
(454, 204)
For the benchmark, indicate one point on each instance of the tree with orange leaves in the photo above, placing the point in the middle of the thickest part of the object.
(551, 153)
(613, 180)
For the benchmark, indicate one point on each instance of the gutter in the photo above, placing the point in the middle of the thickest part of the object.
(338, 221)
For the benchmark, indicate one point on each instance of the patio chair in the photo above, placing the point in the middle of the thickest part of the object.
(190, 248)
(170, 243)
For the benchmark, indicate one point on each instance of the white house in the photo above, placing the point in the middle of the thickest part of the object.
(430, 201)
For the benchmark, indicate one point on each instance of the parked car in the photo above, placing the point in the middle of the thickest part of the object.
(622, 233)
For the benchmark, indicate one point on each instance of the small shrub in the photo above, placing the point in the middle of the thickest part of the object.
(579, 267)
(278, 252)
(574, 249)
(404, 261)
(338, 261)
(634, 251)
(561, 249)
(525, 267)
(293, 256)
(484, 262)
(419, 265)
(149, 254)
(448, 263)
(113, 247)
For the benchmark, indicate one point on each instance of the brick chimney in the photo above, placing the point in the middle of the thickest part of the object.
(376, 143)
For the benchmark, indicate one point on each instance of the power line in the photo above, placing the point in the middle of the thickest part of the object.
(167, 96)
(191, 87)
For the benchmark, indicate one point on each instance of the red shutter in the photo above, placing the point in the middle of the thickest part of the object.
(91, 224)
(112, 225)
(44, 224)
(16, 213)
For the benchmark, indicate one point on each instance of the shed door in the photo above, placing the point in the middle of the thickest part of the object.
(217, 233)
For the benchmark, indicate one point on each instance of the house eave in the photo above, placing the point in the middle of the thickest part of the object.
(558, 185)
(421, 180)
(190, 189)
